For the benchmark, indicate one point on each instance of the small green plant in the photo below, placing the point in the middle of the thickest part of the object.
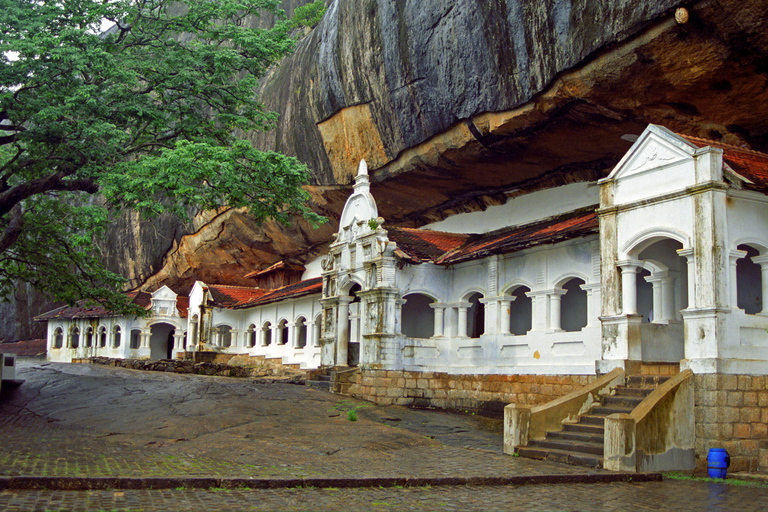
(352, 415)
(308, 15)
(373, 224)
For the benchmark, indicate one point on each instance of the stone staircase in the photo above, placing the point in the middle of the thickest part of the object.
(319, 379)
(581, 443)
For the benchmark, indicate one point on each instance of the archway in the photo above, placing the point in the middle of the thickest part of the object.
(475, 316)
(661, 292)
(418, 318)
(354, 334)
(161, 341)
(520, 311)
(573, 306)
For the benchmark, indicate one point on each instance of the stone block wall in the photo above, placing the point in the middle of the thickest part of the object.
(732, 413)
(481, 393)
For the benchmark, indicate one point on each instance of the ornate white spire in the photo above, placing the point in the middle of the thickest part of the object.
(362, 182)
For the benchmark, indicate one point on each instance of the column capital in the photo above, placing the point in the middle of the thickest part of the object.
(629, 266)
(686, 252)
(760, 260)
(736, 254)
(439, 305)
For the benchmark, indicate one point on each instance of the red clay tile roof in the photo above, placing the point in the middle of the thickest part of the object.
(225, 296)
(280, 265)
(24, 348)
(575, 224)
(422, 245)
(83, 310)
(750, 164)
(292, 291)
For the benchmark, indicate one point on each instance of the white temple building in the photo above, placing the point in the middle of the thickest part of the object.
(664, 260)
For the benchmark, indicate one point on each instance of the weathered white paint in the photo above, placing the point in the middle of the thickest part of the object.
(522, 209)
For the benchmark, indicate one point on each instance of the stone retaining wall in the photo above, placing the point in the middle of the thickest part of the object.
(732, 413)
(478, 393)
(265, 371)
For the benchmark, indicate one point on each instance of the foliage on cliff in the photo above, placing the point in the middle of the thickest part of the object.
(145, 115)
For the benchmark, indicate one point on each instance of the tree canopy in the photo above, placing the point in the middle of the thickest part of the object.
(148, 114)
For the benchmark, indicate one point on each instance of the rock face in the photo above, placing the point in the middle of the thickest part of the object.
(460, 104)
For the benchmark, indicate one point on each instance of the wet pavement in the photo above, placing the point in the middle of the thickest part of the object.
(83, 423)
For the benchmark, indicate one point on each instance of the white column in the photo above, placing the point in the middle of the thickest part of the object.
(317, 331)
(342, 330)
(276, 338)
(658, 297)
(539, 303)
(178, 343)
(461, 309)
(689, 257)
(234, 338)
(354, 322)
(504, 314)
(763, 262)
(145, 335)
(629, 269)
(593, 303)
(734, 256)
(554, 309)
(439, 315)
(263, 336)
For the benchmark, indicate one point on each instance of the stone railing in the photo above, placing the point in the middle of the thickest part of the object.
(658, 435)
(523, 422)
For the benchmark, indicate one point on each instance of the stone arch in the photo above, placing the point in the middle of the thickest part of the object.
(573, 305)
(135, 341)
(162, 335)
(636, 244)
(251, 335)
(266, 333)
(520, 309)
(475, 314)
(103, 336)
(223, 335)
(74, 337)
(564, 278)
(58, 338)
(749, 280)
(117, 336)
(301, 331)
(282, 332)
(417, 317)
(89, 337)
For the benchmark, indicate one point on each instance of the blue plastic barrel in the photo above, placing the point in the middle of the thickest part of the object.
(718, 461)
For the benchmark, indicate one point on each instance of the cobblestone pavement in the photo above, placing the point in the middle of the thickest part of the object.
(88, 421)
(651, 496)
(84, 420)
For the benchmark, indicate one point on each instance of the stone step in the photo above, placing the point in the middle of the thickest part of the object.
(568, 446)
(628, 391)
(647, 381)
(578, 459)
(586, 428)
(323, 385)
(592, 419)
(577, 437)
(625, 401)
(605, 410)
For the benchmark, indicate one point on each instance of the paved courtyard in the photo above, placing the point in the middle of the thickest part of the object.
(103, 429)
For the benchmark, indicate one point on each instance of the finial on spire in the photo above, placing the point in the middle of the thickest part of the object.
(362, 169)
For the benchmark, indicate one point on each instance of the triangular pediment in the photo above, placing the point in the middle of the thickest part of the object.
(164, 293)
(657, 147)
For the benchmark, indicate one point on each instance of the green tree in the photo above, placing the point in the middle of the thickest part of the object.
(146, 115)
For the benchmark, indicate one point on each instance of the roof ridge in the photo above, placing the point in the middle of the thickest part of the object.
(551, 218)
(725, 144)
